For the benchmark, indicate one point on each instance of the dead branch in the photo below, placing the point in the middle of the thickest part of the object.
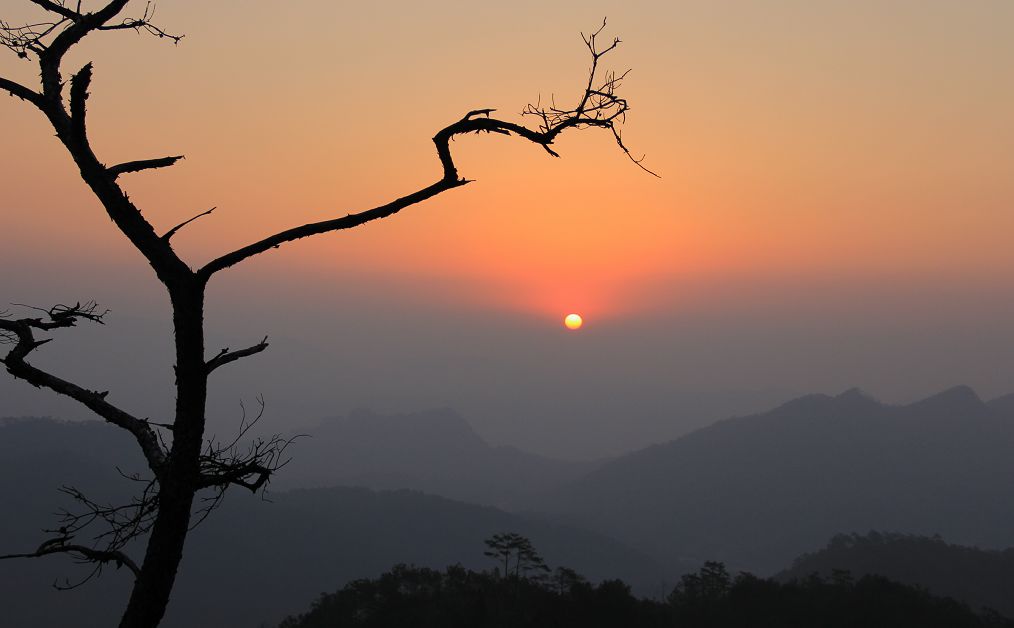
(169, 234)
(20, 334)
(86, 554)
(228, 464)
(194, 463)
(58, 8)
(226, 356)
(78, 96)
(48, 40)
(122, 522)
(348, 221)
(143, 23)
(18, 90)
(143, 164)
(38, 37)
(599, 106)
(28, 38)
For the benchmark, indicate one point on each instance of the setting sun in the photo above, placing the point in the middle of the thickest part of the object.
(573, 321)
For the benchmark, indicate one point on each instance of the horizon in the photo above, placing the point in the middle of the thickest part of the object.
(824, 221)
(425, 415)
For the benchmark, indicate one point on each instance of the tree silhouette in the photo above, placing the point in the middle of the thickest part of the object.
(417, 596)
(511, 546)
(181, 462)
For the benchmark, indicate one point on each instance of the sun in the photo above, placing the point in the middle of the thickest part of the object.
(573, 321)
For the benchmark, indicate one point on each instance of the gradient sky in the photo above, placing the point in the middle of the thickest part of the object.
(836, 210)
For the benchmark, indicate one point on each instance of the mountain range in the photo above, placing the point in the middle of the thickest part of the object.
(757, 491)
(254, 560)
(434, 451)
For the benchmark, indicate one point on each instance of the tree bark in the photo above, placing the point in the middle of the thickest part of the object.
(151, 592)
(150, 595)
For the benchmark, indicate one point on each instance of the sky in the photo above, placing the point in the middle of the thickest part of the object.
(834, 210)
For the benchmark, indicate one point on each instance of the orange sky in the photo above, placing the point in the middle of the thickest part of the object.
(794, 138)
(835, 210)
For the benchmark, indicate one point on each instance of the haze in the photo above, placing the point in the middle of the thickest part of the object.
(835, 211)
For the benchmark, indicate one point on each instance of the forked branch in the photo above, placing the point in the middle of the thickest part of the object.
(84, 553)
(20, 335)
(121, 524)
(144, 23)
(220, 465)
(229, 464)
(599, 106)
(72, 24)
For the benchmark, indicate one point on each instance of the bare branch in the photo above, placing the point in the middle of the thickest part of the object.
(61, 315)
(599, 106)
(194, 463)
(18, 90)
(27, 38)
(59, 9)
(78, 28)
(169, 234)
(143, 23)
(49, 42)
(143, 164)
(345, 222)
(78, 96)
(224, 465)
(19, 333)
(87, 554)
(226, 356)
(123, 523)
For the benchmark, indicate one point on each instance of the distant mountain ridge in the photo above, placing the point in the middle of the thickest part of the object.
(252, 560)
(757, 491)
(754, 492)
(434, 451)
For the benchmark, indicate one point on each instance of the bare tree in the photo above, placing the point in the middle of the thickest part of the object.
(183, 466)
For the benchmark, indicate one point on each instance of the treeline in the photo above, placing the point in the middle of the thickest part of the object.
(982, 578)
(410, 596)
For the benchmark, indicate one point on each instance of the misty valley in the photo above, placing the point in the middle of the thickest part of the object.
(826, 510)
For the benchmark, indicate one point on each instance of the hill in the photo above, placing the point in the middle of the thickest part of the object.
(435, 452)
(711, 598)
(253, 560)
(980, 578)
(757, 491)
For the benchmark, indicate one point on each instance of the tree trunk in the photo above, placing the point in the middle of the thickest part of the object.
(177, 486)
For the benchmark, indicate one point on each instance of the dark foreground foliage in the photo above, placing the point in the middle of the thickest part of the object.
(982, 578)
(458, 598)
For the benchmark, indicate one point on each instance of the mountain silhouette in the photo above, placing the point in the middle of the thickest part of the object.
(980, 578)
(757, 491)
(253, 560)
(435, 451)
